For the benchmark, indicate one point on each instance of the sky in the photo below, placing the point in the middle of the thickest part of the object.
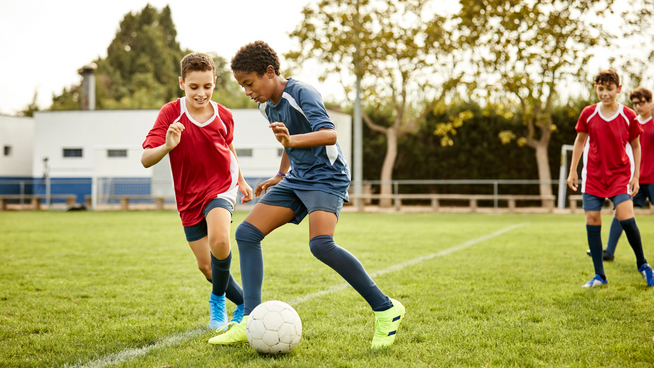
(43, 43)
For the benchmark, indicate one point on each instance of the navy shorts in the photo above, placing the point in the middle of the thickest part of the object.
(646, 191)
(302, 202)
(595, 203)
(199, 230)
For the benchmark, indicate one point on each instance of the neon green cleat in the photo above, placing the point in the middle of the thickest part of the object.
(235, 335)
(386, 325)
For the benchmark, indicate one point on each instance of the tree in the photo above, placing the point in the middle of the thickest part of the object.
(31, 108)
(394, 47)
(529, 49)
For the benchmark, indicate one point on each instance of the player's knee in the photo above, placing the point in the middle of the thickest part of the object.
(321, 245)
(219, 245)
(247, 233)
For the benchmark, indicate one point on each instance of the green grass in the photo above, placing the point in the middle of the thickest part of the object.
(80, 287)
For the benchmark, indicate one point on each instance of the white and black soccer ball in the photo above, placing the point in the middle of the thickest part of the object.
(273, 327)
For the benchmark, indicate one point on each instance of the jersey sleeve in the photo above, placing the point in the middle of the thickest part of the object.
(635, 128)
(227, 119)
(582, 123)
(157, 135)
(311, 104)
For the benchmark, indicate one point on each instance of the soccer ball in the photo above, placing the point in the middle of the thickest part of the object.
(273, 327)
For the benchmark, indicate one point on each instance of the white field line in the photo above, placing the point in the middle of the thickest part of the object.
(179, 338)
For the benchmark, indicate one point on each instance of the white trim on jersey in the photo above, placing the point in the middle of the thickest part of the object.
(293, 103)
(643, 122)
(599, 111)
(231, 193)
(262, 110)
(584, 173)
(332, 153)
(184, 110)
(632, 163)
(597, 108)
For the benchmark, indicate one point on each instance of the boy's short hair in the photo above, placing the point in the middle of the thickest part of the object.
(641, 93)
(197, 62)
(255, 57)
(607, 77)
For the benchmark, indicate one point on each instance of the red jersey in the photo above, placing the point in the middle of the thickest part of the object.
(647, 151)
(203, 166)
(608, 157)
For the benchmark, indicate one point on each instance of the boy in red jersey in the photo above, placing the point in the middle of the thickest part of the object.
(197, 135)
(640, 98)
(607, 135)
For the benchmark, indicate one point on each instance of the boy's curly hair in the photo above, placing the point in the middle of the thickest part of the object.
(197, 62)
(606, 77)
(641, 93)
(255, 57)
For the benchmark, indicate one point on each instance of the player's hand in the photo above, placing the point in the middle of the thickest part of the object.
(174, 135)
(634, 187)
(573, 180)
(281, 133)
(246, 190)
(263, 187)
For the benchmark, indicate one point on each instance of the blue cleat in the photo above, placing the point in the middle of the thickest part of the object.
(596, 281)
(237, 315)
(647, 273)
(218, 313)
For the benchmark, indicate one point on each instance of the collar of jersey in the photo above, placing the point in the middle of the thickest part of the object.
(643, 122)
(599, 112)
(184, 110)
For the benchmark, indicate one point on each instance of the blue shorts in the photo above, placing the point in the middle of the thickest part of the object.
(595, 203)
(199, 230)
(302, 202)
(646, 191)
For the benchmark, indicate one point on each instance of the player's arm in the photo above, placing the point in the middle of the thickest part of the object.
(242, 184)
(322, 137)
(151, 156)
(634, 186)
(283, 169)
(577, 150)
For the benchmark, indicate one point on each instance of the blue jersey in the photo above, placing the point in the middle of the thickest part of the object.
(320, 168)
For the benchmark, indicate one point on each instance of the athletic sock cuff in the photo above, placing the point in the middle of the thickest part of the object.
(222, 264)
(248, 232)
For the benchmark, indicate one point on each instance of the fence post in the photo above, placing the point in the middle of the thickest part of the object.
(396, 200)
(495, 199)
(22, 194)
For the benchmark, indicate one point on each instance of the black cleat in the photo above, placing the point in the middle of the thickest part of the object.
(606, 255)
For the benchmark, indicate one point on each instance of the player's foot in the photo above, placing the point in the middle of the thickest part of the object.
(647, 273)
(237, 315)
(235, 335)
(386, 325)
(218, 313)
(596, 281)
(605, 255)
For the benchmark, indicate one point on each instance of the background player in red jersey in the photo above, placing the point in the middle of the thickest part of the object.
(607, 135)
(640, 98)
(197, 135)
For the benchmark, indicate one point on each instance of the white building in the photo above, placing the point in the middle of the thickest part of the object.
(77, 148)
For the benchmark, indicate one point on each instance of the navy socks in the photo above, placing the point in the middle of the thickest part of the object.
(225, 283)
(249, 240)
(348, 266)
(614, 236)
(595, 245)
(633, 235)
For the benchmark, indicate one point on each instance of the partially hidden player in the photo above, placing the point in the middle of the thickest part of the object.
(607, 136)
(640, 98)
(313, 180)
(197, 135)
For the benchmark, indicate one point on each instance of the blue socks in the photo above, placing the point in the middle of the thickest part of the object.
(633, 235)
(595, 245)
(614, 236)
(249, 240)
(348, 266)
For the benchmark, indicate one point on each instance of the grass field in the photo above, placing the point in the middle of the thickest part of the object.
(121, 289)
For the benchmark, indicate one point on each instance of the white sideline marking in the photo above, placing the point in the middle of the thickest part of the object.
(176, 339)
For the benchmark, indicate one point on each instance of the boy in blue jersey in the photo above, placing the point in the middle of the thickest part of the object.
(313, 179)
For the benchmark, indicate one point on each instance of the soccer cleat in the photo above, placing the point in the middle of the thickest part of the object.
(606, 256)
(647, 273)
(237, 315)
(235, 335)
(218, 320)
(596, 281)
(386, 325)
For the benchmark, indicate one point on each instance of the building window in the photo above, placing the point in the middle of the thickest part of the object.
(280, 152)
(7, 150)
(117, 153)
(73, 152)
(244, 152)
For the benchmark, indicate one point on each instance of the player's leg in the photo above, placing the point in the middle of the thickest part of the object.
(625, 213)
(323, 215)
(593, 207)
(263, 219)
(614, 236)
(218, 215)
